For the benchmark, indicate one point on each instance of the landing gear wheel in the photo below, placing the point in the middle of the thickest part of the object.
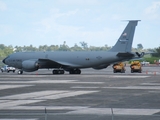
(140, 71)
(132, 71)
(61, 71)
(114, 71)
(55, 72)
(58, 71)
(20, 72)
(122, 71)
(76, 71)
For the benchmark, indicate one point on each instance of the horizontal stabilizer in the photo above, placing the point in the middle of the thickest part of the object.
(127, 54)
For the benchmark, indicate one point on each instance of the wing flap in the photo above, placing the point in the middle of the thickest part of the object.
(68, 64)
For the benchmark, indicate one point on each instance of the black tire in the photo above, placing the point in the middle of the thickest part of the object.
(20, 72)
(77, 71)
(140, 71)
(61, 71)
(132, 71)
(71, 72)
(58, 71)
(55, 71)
(123, 71)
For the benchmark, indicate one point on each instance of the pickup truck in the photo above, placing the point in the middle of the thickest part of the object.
(7, 68)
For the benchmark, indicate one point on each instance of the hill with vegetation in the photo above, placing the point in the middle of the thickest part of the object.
(6, 50)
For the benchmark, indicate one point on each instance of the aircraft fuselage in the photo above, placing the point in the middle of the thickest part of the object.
(78, 59)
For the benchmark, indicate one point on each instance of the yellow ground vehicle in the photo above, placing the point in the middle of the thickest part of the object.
(136, 67)
(119, 67)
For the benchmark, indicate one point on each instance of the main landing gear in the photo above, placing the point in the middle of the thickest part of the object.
(75, 71)
(71, 71)
(58, 71)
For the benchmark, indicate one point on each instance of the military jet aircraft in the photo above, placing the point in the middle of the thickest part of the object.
(74, 61)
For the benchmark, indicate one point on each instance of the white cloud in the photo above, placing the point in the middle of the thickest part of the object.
(153, 11)
(3, 6)
(49, 24)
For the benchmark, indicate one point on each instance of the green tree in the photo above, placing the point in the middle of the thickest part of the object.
(157, 52)
(64, 47)
(84, 45)
(5, 51)
(139, 46)
(76, 48)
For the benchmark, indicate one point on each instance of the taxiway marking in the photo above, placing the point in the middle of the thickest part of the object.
(116, 111)
(32, 95)
(12, 103)
(17, 119)
(47, 107)
(8, 102)
(2, 87)
(136, 87)
(50, 81)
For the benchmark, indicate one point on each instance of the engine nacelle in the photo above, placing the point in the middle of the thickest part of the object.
(30, 65)
(100, 67)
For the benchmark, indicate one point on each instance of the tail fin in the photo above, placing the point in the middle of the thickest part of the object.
(124, 43)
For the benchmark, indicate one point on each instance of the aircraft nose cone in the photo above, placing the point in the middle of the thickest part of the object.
(3, 61)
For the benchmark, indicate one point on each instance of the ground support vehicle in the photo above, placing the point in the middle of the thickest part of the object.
(136, 67)
(119, 67)
(7, 68)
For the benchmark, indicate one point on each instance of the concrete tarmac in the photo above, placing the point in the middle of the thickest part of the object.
(93, 95)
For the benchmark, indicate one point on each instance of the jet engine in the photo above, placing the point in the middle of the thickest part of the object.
(30, 65)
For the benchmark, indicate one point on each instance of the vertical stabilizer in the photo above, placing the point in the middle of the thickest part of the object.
(124, 43)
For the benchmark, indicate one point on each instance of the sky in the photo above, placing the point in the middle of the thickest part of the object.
(96, 22)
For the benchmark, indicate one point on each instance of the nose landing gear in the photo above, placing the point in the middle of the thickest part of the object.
(20, 72)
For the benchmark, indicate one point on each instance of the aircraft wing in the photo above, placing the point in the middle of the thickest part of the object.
(68, 64)
(51, 63)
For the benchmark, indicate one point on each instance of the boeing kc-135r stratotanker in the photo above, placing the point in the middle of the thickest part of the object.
(72, 62)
